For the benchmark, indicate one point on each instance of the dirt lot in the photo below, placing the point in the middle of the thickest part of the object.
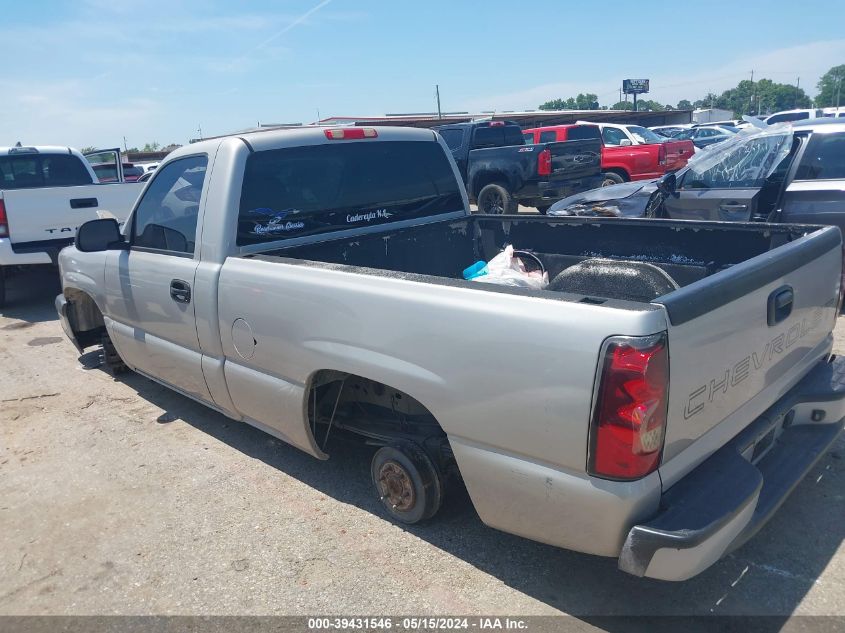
(121, 497)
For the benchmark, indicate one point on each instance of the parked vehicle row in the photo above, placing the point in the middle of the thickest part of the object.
(620, 162)
(501, 172)
(556, 412)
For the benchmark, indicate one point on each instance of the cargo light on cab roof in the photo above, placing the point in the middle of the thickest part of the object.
(348, 133)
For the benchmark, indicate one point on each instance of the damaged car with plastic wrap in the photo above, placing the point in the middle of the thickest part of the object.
(650, 391)
(781, 173)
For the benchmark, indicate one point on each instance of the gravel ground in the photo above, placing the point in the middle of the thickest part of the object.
(121, 497)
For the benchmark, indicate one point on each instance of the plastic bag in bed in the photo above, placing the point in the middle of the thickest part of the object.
(508, 269)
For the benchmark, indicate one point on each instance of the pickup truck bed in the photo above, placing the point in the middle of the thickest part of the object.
(329, 319)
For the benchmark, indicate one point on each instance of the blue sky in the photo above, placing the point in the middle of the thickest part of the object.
(90, 72)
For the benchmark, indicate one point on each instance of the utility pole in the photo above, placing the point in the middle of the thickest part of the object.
(620, 95)
(838, 89)
(797, 90)
(751, 108)
(437, 90)
(199, 129)
(125, 148)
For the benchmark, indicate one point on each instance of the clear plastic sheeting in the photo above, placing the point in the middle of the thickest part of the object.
(743, 161)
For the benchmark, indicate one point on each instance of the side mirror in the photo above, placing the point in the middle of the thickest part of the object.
(99, 235)
(625, 142)
(667, 184)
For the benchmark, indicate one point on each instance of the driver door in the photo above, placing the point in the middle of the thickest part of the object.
(149, 287)
(690, 202)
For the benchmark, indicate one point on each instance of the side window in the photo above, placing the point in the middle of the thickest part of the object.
(548, 137)
(454, 138)
(823, 159)
(528, 137)
(612, 136)
(166, 217)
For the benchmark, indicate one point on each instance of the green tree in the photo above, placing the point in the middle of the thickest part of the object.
(830, 88)
(760, 97)
(587, 101)
(151, 147)
(88, 150)
(684, 104)
(622, 105)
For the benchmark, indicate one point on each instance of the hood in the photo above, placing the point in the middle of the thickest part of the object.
(627, 198)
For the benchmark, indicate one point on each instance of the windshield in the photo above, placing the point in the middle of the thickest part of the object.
(745, 160)
(644, 135)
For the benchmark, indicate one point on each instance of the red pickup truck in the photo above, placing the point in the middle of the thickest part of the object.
(619, 163)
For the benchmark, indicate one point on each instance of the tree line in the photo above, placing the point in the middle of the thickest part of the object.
(758, 97)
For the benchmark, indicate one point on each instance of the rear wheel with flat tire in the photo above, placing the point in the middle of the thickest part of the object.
(407, 482)
(495, 199)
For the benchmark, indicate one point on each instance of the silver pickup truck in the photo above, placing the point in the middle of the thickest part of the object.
(656, 402)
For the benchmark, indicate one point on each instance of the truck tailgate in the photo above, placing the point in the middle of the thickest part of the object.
(678, 153)
(52, 213)
(739, 339)
(575, 159)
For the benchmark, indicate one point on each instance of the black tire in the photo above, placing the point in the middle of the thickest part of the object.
(111, 358)
(609, 178)
(495, 199)
(407, 482)
(2, 287)
(543, 209)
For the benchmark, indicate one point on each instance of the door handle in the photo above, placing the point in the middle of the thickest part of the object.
(779, 305)
(83, 203)
(733, 206)
(180, 291)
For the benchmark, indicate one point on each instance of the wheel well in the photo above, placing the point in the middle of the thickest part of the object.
(484, 179)
(85, 317)
(372, 411)
(619, 172)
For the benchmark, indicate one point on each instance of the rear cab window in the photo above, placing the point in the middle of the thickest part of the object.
(317, 189)
(583, 132)
(27, 171)
(549, 136)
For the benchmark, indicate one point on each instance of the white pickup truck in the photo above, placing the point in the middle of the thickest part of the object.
(656, 402)
(46, 192)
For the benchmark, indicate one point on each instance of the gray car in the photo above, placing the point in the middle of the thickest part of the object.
(784, 173)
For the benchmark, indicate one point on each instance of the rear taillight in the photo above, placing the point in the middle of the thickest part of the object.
(629, 416)
(661, 154)
(544, 163)
(4, 222)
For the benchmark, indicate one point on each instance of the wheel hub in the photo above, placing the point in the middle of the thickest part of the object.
(397, 488)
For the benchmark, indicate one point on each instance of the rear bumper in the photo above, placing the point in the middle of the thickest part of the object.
(9, 257)
(552, 191)
(728, 498)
